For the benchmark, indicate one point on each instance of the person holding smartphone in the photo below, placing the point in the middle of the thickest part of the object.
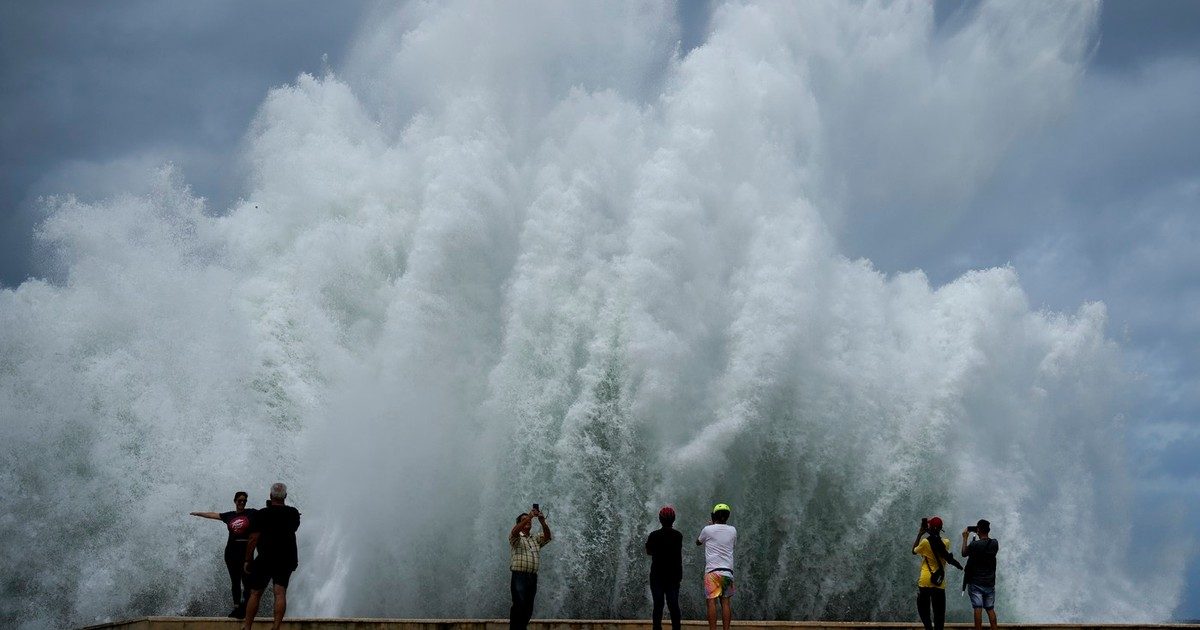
(934, 551)
(524, 563)
(980, 577)
(718, 539)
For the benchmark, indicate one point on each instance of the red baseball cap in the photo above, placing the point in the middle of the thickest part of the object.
(935, 522)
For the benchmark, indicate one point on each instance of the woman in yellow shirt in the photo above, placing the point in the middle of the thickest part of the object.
(934, 551)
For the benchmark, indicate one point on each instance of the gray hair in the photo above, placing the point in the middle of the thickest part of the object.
(278, 491)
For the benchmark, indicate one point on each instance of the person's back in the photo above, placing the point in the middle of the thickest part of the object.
(665, 547)
(934, 552)
(981, 561)
(980, 577)
(276, 526)
(719, 540)
(273, 537)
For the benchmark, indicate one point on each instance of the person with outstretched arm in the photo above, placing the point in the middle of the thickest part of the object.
(273, 536)
(718, 539)
(237, 522)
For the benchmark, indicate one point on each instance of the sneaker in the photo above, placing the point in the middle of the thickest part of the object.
(238, 613)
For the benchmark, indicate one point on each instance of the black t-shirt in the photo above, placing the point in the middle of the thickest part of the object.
(665, 547)
(238, 524)
(276, 527)
(981, 562)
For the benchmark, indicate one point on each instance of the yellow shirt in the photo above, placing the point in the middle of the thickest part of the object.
(928, 561)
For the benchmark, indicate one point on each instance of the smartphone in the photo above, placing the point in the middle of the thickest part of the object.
(924, 523)
(971, 529)
(535, 507)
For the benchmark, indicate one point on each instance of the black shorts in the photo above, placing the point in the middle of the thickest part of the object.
(263, 572)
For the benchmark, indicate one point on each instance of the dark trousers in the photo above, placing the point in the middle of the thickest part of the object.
(934, 598)
(669, 590)
(524, 589)
(234, 557)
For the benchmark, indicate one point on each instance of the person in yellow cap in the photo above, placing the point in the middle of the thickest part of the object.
(718, 539)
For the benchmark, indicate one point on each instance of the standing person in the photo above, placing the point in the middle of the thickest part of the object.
(238, 524)
(718, 539)
(524, 563)
(931, 586)
(273, 535)
(980, 575)
(665, 548)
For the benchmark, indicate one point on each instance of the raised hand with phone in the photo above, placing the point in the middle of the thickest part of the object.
(524, 564)
(979, 579)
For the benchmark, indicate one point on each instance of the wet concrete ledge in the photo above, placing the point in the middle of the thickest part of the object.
(301, 623)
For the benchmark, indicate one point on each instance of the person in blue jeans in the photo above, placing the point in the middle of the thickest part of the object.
(980, 575)
(665, 548)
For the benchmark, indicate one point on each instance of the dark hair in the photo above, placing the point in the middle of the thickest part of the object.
(240, 493)
(720, 516)
(937, 545)
(521, 516)
(666, 519)
(983, 526)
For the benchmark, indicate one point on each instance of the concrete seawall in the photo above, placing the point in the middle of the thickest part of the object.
(216, 623)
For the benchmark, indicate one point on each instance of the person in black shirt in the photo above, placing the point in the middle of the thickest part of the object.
(980, 576)
(238, 523)
(665, 548)
(273, 536)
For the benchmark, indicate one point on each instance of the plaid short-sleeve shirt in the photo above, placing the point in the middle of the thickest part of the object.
(525, 552)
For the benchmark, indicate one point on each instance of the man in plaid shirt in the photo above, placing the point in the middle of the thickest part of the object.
(524, 566)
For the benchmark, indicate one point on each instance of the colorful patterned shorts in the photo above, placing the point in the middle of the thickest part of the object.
(718, 584)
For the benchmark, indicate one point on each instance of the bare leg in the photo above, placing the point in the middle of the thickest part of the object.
(978, 619)
(712, 614)
(726, 612)
(280, 606)
(992, 618)
(251, 609)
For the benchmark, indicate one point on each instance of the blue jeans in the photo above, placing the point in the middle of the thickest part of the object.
(982, 596)
(524, 589)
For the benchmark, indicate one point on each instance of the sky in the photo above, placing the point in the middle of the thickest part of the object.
(1102, 205)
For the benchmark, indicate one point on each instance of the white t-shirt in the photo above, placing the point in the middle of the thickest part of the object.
(718, 543)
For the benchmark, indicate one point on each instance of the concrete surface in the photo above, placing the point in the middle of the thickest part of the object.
(301, 623)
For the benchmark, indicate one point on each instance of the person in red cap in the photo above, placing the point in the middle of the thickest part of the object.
(931, 585)
(665, 548)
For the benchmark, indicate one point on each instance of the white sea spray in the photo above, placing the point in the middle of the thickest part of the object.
(537, 253)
